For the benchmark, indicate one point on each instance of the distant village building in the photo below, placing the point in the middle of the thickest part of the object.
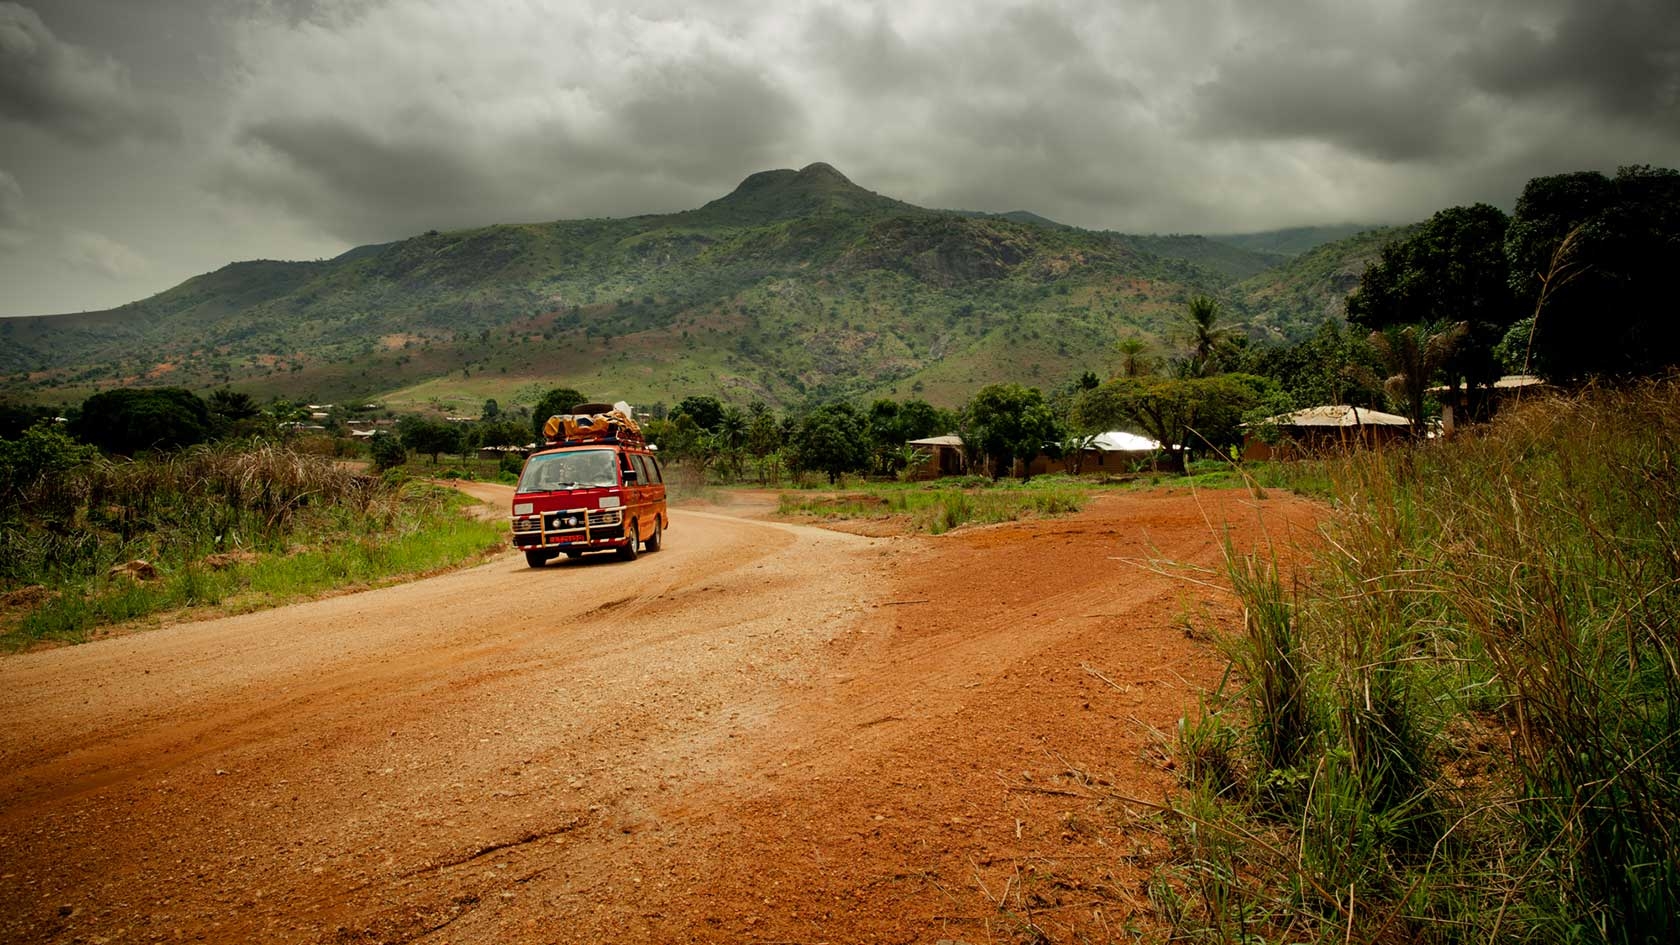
(1115, 451)
(1506, 389)
(944, 457)
(1316, 429)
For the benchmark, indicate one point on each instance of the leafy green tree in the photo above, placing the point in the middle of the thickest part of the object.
(387, 451)
(502, 433)
(764, 440)
(1320, 369)
(707, 412)
(16, 418)
(1452, 270)
(557, 401)
(1181, 413)
(892, 425)
(491, 410)
(831, 440)
(434, 437)
(1591, 259)
(1010, 421)
(39, 451)
(130, 419)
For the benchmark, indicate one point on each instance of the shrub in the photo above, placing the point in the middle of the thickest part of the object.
(387, 451)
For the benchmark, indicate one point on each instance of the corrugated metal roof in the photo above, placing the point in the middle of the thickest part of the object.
(1338, 415)
(1119, 441)
(938, 441)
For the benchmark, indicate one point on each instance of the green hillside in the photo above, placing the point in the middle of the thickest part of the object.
(1287, 302)
(1294, 240)
(797, 285)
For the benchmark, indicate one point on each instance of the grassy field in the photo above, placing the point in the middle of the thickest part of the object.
(226, 530)
(1461, 721)
(934, 508)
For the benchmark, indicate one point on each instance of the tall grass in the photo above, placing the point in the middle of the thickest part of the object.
(298, 523)
(1461, 722)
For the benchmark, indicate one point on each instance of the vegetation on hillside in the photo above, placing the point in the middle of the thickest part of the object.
(797, 288)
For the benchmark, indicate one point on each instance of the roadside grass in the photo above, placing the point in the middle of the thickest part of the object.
(939, 506)
(1460, 721)
(231, 528)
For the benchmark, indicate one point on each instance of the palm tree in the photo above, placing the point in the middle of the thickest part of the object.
(1203, 331)
(1412, 355)
(1134, 356)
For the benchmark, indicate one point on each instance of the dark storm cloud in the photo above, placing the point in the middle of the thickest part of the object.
(308, 125)
(1437, 81)
(570, 115)
(1342, 98)
(65, 89)
(1623, 57)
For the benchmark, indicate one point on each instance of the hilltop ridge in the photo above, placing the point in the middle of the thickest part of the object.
(796, 285)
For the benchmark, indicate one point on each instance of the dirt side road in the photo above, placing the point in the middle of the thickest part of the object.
(762, 733)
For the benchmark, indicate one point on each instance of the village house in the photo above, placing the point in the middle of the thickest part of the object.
(1318, 429)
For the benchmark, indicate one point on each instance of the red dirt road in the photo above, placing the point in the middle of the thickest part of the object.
(763, 732)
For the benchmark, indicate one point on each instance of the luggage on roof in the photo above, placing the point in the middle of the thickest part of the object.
(592, 423)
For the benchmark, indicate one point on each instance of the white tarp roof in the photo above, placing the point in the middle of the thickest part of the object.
(950, 440)
(1119, 441)
(1338, 415)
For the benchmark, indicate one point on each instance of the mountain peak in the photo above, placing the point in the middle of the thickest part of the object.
(784, 193)
(824, 173)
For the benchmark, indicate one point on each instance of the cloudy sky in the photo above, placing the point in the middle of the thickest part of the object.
(144, 141)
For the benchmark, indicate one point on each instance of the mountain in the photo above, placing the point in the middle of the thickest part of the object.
(1295, 240)
(1286, 302)
(797, 285)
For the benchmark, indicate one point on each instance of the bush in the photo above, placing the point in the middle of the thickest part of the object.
(387, 451)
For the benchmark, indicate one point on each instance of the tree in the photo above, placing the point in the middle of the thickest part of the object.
(232, 405)
(1178, 412)
(39, 451)
(1134, 356)
(706, 411)
(1203, 333)
(1591, 259)
(831, 440)
(429, 436)
(502, 433)
(127, 420)
(1413, 356)
(1452, 270)
(491, 410)
(731, 436)
(387, 451)
(16, 417)
(1010, 421)
(892, 425)
(763, 439)
(1321, 369)
(557, 401)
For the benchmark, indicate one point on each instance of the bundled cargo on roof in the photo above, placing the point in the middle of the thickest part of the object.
(607, 423)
